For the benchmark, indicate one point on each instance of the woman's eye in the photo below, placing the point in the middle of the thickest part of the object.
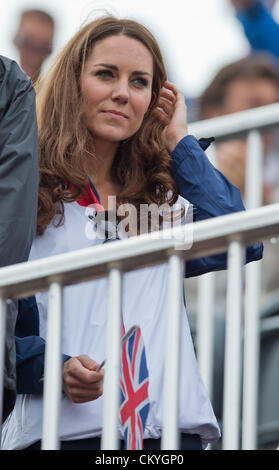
(104, 73)
(140, 82)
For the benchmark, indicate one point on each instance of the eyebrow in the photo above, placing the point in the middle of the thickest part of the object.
(114, 67)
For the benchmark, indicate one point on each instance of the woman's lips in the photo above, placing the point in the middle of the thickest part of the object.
(115, 114)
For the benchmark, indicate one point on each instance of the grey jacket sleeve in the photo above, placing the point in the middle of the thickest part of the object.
(18, 192)
(18, 163)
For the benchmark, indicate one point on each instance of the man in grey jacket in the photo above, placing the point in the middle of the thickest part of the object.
(18, 192)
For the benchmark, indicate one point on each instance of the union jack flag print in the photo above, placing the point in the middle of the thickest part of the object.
(134, 390)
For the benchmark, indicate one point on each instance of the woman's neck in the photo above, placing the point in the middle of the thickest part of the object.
(99, 167)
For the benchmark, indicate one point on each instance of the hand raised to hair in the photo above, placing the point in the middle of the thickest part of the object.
(81, 382)
(172, 111)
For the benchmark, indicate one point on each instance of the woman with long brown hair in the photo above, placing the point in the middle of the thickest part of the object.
(111, 127)
(66, 141)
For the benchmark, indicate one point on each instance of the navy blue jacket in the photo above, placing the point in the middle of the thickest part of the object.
(211, 193)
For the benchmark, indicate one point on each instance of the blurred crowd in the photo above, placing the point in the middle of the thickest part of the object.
(247, 83)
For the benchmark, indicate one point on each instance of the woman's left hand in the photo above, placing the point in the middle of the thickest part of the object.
(172, 111)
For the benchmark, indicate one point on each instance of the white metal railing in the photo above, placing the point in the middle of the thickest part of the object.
(231, 232)
(210, 236)
(236, 124)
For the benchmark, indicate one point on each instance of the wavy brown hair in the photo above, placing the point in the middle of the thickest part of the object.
(142, 164)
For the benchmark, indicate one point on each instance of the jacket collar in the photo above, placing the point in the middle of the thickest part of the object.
(89, 196)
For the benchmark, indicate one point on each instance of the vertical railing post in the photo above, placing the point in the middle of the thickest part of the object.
(205, 330)
(53, 370)
(110, 439)
(254, 171)
(170, 435)
(253, 199)
(3, 312)
(205, 313)
(251, 356)
(233, 356)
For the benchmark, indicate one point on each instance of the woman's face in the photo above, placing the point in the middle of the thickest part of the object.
(116, 88)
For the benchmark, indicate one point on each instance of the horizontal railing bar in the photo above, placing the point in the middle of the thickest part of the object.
(209, 236)
(237, 123)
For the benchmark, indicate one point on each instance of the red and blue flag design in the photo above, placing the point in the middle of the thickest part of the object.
(134, 382)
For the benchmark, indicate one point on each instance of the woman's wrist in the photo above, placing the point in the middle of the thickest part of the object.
(173, 140)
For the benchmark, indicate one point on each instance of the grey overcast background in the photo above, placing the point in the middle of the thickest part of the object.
(197, 37)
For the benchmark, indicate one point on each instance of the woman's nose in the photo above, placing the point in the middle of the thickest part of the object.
(120, 91)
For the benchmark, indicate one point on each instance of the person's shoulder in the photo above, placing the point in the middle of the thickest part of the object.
(12, 79)
(11, 67)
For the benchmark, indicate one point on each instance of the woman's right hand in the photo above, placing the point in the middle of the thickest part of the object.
(81, 382)
(172, 111)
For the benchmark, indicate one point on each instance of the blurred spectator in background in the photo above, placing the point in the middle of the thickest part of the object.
(260, 28)
(33, 40)
(244, 84)
(241, 85)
